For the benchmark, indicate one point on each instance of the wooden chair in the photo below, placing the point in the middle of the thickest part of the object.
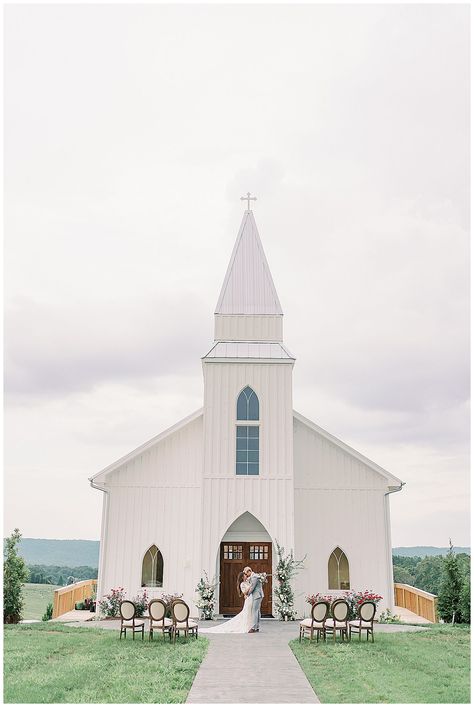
(181, 620)
(365, 620)
(317, 621)
(158, 620)
(128, 612)
(340, 613)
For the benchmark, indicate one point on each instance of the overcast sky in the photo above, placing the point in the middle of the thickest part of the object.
(130, 134)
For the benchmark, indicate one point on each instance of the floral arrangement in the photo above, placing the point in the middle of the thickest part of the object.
(141, 602)
(110, 603)
(207, 600)
(287, 568)
(353, 598)
(263, 577)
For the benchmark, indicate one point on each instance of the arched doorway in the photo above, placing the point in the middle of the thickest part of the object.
(246, 542)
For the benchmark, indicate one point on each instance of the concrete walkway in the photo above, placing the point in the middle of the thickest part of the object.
(256, 668)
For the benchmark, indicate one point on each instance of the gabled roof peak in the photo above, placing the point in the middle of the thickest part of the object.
(248, 286)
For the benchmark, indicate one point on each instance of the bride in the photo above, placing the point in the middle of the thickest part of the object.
(242, 622)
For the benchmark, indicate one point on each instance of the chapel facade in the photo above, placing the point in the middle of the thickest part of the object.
(220, 488)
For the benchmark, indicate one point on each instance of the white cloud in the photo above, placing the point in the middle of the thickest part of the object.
(131, 133)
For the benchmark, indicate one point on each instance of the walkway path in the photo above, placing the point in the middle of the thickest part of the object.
(256, 668)
(409, 617)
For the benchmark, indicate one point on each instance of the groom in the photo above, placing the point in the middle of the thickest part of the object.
(256, 590)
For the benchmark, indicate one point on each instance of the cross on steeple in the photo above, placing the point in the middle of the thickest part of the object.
(248, 199)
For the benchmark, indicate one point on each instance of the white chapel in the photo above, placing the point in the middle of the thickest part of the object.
(217, 490)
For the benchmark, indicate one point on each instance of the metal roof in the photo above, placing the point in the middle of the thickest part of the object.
(249, 349)
(248, 286)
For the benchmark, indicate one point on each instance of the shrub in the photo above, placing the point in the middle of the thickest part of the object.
(141, 602)
(465, 600)
(353, 599)
(15, 573)
(450, 591)
(386, 617)
(169, 599)
(109, 605)
(48, 614)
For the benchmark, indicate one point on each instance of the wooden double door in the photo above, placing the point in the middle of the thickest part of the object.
(234, 557)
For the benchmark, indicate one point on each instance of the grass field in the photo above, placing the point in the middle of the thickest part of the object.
(37, 597)
(53, 663)
(424, 667)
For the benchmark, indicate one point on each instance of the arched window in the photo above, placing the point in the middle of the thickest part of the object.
(152, 568)
(247, 436)
(247, 405)
(338, 570)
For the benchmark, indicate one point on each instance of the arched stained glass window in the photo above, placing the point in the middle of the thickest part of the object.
(338, 570)
(152, 568)
(247, 405)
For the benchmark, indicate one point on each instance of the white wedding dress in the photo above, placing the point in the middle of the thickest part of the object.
(240, 623)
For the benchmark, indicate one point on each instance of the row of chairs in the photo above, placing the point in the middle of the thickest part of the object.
(329, 618)
(157, 608)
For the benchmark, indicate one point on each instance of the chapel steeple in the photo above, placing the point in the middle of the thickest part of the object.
(248, 308)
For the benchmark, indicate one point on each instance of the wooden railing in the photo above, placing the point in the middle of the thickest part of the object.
(65, 598)
(421, 603)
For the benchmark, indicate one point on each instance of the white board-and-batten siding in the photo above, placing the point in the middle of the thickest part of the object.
(268, 496)
(339, 502)
(154, 498)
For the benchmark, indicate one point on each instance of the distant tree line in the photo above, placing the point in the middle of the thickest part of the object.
(60, 575)
(448, 576)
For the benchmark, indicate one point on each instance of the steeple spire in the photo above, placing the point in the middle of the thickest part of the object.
(248, 285)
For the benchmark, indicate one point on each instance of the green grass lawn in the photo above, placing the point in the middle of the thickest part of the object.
(37, 597)
(54, 663)
(426, 666)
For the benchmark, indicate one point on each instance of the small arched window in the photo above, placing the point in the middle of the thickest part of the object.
(152, 568)
(338, 570)
(247, 405)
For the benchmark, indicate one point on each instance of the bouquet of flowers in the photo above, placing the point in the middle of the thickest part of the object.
(263, 577)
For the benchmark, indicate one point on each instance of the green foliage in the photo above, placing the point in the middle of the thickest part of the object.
(402, 575)
(450, 590)
(207, 600)
(426, 572)
(386, 617)
(60, 575)
(15, 573)
(427, 666)
(54, 663)
(409, 563)
(48, 614)
(465, 600)
(287, 567)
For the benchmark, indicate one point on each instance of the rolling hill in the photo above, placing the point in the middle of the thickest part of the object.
(68, 553)
(424, 550)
